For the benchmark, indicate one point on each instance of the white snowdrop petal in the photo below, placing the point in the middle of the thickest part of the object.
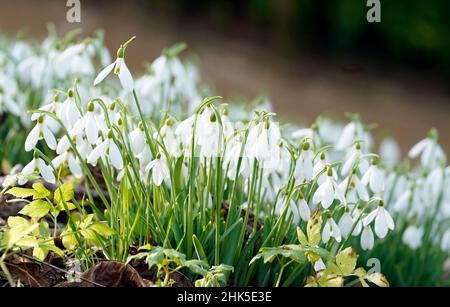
(115, 156)
(304, 210)
(91, 129)
(32, 138)
(75, 168)
(97, 152)
(346, 138)
(49, 138)
(57, 161)
(105, 72)
(63, 145)
(46, 171)
(125, 78)
(326, 233)
(328, 194)
(370, 217)
(157, 175)
(346, 224)
(381, 228)
(29, 168)
(389, 221)
(367, 238)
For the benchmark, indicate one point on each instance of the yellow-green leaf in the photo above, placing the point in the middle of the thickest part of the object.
(41, 191)
(301, 237)
(313, 228)
(14, 221)
(69, 240)
(64, 193)
(36, 209)
(39, 253)
(378, 279)
(102, 229)
(21, 192)
(346, 261)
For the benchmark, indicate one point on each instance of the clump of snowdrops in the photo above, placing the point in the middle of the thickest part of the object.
(227, 199)
(30, 71)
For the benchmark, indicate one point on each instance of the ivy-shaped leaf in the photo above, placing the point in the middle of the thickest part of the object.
(36, 209)
(40, 191)
(64, 193)
(21, 192)
(346, 261)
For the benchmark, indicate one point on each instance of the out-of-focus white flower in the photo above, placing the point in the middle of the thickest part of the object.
(347, 136)
(374, 177)
(390, 152)
(445, 241)
(430, 152)
(413, 236)
(403, 201)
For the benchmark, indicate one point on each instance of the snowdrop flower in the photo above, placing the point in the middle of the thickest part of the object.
(108, 149)
(319, 166)
(120, 69)
(374, 177)
(38, 165)
(346, 223)
(137, 139)
(170, 140)
(68, 111)
(68, 159)
(88, 124)
(304, 167)
(299, 210)
(209, 133)
(159, 168)
(356, 215)
(328, 191)
(39, 132)
(263, 141)
(383, 220)
(352, 157)
(232, 155)
(429, 150)
(367, 238)
(331, 229)
(184, 131)
(355, 190)
(413, 236)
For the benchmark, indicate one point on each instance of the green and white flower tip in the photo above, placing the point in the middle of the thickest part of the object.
(120, 69)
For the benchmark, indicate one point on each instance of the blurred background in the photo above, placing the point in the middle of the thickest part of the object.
(310, 57)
